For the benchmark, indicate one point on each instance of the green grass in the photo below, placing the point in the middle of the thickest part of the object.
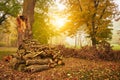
(4, 51)
(115, 46)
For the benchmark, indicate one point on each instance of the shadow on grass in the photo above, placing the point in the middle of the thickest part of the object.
(4, 51)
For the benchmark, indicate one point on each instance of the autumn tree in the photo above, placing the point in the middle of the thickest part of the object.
(97, 15)
(102, 12)
(42, 29)
(8, 33)
(28, 13)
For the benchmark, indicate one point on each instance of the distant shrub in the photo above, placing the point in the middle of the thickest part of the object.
(103, 51)
(84, 53)
(66, 52)
(116, 55)
(88, 52)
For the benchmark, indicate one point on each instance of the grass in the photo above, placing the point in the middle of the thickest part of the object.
(6, 51)
(115, 46)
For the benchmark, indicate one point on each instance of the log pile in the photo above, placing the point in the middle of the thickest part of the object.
(31, 56)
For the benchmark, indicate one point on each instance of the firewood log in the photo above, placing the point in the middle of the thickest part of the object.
(14, 63)
(28, 56)
(32, 55)
(37, 61)
(21, 67)
(38, 53)
(52, 65)
(60, 62)
(36, 68)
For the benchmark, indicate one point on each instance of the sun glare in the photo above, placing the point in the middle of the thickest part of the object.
(70, 41)
(59, 22)
(60, 6)
(56, 14)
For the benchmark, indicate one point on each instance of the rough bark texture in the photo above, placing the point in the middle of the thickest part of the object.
(28, 12)
(93, 35)
(21, 28)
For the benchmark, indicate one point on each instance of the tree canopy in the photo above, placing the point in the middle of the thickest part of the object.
(42, 30)
(94, 17)
(97, 15)
(9, 7)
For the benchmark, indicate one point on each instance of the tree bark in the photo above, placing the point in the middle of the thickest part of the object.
(93, 35)
(25, 21)
(28, 12)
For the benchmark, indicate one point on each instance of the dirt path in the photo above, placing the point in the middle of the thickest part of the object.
(74, 69)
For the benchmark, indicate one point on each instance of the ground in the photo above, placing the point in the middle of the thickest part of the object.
(4, 51)
(74, 69)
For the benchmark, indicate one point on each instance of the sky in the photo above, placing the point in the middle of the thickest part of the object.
(117, 2)
(116, 25)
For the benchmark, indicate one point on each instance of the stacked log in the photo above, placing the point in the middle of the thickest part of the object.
(31, 56)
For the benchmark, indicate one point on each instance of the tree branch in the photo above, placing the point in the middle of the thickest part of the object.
(103, 11)
(2, 18)
(80, 5)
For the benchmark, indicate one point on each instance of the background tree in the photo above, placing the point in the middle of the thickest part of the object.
(97, 15)
(42, 29)
(8, 32)
(9, 7)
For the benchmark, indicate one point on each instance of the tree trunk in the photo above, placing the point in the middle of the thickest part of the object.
(93, 32)
(25, 21)
(76, 41)
(93, 35)
(93, 41)
(28, 12)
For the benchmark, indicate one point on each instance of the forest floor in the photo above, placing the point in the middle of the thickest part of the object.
(74, 69)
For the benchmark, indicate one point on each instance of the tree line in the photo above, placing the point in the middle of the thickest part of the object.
(94, 17)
